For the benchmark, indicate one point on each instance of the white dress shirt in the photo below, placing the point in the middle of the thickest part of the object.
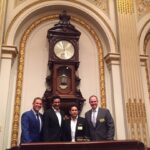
(73, 128)
(58, 116)
(94, 116)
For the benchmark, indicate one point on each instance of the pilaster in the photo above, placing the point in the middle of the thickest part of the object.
(9, 53)
(113, 63)
(133, 92)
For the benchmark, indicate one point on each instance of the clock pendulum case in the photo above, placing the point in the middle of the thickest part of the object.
(63, 64)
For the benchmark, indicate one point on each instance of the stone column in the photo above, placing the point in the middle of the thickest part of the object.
(7, 57)
(136, 121)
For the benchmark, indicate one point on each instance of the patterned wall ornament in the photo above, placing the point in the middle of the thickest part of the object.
(101, 4)
(143, 6)
(136, 114)
(125, 6)
(17, 2)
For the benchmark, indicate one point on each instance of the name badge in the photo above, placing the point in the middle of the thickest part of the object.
(80, 128)
(102, 120)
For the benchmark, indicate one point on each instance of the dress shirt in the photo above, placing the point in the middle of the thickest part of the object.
(94, 116)
(58, 115)
(73, 128)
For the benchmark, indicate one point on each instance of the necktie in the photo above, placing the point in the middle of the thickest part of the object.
(38, 121)
(94, 118)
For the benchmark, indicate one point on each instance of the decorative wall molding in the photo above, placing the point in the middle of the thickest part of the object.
(9, 52)
(146, 40)
(125, 6)
(142, 6)
(112, 58)
(40, 4)
(17, 2)
(136, 115)
(101, 4)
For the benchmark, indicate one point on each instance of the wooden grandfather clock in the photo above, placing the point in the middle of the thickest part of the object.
(63, 64)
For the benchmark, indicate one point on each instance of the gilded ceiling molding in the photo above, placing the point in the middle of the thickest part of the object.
(42, 1)
(142, 6)
(20, 73)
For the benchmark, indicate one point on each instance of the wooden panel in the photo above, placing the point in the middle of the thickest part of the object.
(101, 145)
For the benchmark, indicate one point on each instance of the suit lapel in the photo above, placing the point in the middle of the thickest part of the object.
(54, 115)
(33, 115)
(62, 116)
(69, 127)
(34, 120)
(78, 121)
(99, 113)
(90, 115)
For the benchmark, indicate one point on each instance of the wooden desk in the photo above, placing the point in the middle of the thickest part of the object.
(100, 145)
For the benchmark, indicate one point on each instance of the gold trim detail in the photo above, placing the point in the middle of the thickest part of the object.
(125, 6)
(136, 115)
(19, 83)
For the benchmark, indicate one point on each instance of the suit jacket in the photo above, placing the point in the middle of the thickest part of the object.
(51, 129)
(30, 128)
(104, 129)
(82, 130)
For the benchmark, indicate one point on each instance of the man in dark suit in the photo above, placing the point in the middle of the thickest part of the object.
(31, 123)
(52, 121)
(100, 121)
(75, 128)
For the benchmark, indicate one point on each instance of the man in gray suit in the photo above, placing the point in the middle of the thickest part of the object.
(100, 121)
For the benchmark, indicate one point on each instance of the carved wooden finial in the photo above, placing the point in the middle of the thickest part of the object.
(64, 18)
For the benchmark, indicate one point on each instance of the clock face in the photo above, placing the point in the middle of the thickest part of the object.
(64, 49)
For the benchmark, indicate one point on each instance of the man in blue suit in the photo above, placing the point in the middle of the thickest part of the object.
(100, 121)
(31, 123)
